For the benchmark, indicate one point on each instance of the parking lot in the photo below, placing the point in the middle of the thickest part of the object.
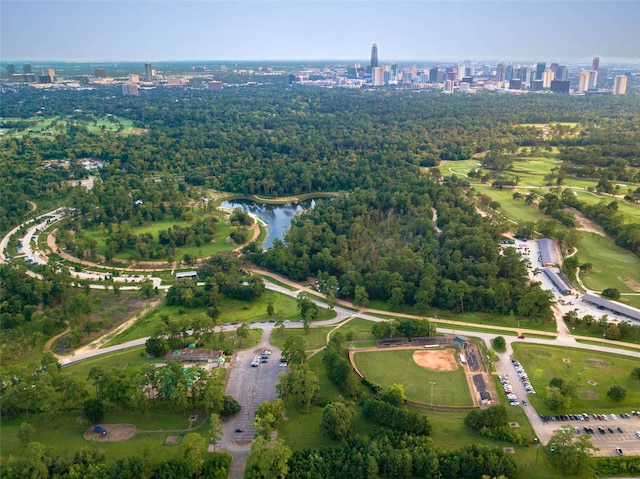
(602, 437)
(252, 385)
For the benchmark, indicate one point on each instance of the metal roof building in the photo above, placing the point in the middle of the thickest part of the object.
(612, 306)
(559, 280)
(548, 252)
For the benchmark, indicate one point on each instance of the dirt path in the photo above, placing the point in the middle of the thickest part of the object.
(587, 225)
(32, 205)
(47, 345)
(102, 340)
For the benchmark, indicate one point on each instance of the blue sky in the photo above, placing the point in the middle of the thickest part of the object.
(88, 30)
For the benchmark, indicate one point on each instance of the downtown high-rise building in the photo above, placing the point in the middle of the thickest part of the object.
(374, 56)
(433, 75)
(540, 68)
(501, 72)
(11, 70)
(148, 70)
(583, 81)
(595, 64)
(620, 85)
(562, 73)
(377, 76)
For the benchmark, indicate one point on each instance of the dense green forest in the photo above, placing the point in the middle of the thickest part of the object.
(398, 232)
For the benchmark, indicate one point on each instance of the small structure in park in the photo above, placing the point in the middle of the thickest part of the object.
(187, 274)
(99, 430)
(195, 355)
(549, 252)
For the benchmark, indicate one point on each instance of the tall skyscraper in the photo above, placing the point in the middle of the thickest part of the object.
(377, 76)
(583, 82)
(595, 64)
(593, 78)
(547, 78)
(433, 75)
(501, 72)
(26, 68)
(620, 85)
(148, 71)
(562, 73)
(540, 67)
(374, 56)
(11, 70)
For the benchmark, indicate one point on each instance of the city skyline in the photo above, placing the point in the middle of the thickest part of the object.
(308, 30)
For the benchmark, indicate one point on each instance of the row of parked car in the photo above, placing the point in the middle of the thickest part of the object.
(524, 379)
(585, 417)
(508, 390)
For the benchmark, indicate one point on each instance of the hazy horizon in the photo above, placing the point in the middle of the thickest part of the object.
(318, 31)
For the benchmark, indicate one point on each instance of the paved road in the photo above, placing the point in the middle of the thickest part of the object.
(251, 386)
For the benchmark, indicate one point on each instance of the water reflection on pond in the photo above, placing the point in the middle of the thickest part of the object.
(277, 217)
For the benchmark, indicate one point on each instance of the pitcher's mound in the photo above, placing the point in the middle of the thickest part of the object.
(436, 360)
(110, 432)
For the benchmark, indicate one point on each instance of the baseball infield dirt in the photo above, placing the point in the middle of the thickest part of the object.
(436, 360)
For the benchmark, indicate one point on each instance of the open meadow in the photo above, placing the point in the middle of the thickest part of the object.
(592, 372)
(397, 366)
(231, 311)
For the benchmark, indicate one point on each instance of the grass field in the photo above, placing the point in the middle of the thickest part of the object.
(631, 213)
(231, 311)
(220, 242)
(613, 267)
(389, 367)
(48, 127)
(359, 328)
(316, 338)
(543, 363)
(65, 435)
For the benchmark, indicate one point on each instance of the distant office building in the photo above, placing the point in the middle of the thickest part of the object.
(595, 64)
(515, 84)
(553, 67)
(562, 73)
(620, 85)
(593, 78)
(501, 72)
(26, 69)
(547, 77)
(393, 74)
(48, 75)
(377, 76)
(30, 77)
(560, 86)
(433, 75)
(540, 68)
(537, 85)
(148, 70)
(11, 70)
(508, 73)
(583, 81)
(448, 86)
(100, 73)
(374, 56)
(452, 73)
(603, 75)
(217, 85)
(133, 78)
(130, 89)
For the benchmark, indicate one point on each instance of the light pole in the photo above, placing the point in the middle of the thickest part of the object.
(432, 384)
(603, 333)
(536, 441)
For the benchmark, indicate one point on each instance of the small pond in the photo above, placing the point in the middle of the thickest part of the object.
(277, 217)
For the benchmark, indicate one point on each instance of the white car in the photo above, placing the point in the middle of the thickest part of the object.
(638, 434)
(613, 416)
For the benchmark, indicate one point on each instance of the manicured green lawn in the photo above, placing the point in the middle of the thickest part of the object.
(231, 311)
(316, 338)
(542, 363)
(613, 267)
(360, 329)
(220, 242)
(631, 213)
(389, 367)
(65, 435)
